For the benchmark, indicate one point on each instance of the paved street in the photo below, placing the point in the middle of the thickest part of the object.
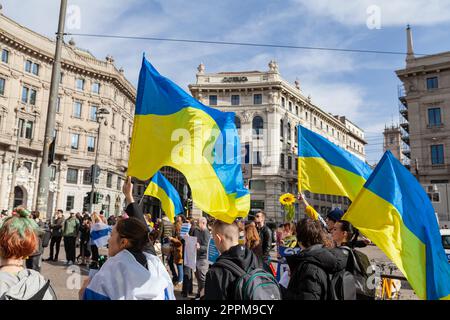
(67, 280)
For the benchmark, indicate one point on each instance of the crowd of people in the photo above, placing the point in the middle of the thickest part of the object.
(326, 256)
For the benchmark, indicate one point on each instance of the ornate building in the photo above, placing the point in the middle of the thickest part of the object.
(87, 85)
(268, 110)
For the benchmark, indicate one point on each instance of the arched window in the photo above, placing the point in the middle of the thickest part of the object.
(237, 122)
(258, 125)
(282, 128)
(289, 132)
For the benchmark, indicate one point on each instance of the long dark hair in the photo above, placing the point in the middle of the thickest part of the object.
(135, 231)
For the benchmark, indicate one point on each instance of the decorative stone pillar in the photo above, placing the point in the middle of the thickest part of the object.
(59, 187)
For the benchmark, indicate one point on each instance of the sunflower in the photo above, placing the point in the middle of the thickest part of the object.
(287, 199)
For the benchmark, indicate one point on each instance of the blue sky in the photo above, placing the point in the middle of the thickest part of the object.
(360, 86)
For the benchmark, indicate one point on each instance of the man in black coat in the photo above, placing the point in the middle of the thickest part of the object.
(220, 282)
(265, 235)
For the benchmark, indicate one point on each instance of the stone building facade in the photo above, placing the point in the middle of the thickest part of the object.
(268, 110)
(87, 84)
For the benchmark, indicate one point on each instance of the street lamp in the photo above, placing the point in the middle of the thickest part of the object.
(100, 115)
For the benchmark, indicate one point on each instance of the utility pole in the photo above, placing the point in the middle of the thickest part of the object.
(100, 116)
(14, 168)
(44, 172)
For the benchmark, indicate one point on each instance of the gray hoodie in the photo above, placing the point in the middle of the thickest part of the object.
(23, 285)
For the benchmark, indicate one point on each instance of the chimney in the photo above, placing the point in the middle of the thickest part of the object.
(409, 44)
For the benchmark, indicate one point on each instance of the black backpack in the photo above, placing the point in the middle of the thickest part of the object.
(352, 282)
(254, 284)
(361, 265)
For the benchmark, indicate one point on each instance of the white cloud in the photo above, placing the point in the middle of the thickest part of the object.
(393, 13)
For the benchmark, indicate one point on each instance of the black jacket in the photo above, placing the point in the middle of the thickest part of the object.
(309, 272)
(265, 234)
(203, 237)
(134, 211)
(219, 283)
(56, 227)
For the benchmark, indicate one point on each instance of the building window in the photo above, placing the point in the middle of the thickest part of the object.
(289, 133)
(91, 144)
(290, 106)
(213, 100)
(28, 165)
(258, 125)
(306, 115)
(283, 102)
(257, 185)
(52, 173)
(257, 158)
(296, 110)
(111, 146)
(281, 128)
(315, 122)
(58, 105)
(70, 203)
(282, 162)
(75, 141)
(61, 76)
(72, 175)
(29, 95)
(296, 134)
(437, 154)
(235, 100)
(32, 67)
(113, 122)
(87, 179)
(95, 87)
(247, 153)
(257, 98)
(77, 109)
(432, 83)
(2, 86)
(289, 163)
(80, 84)
(109, 180)
(5, 56)
(123, 125)
(119, 183)
(25, 129)
(237, 122)
(93, 113)
(434, 117)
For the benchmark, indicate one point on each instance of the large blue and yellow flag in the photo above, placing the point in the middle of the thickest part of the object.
(394, 212)
(161, 188)
(171, 128)
(326, 168)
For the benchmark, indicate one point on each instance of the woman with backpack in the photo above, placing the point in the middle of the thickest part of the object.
(130, 273)
(18, 240)
(345, 237)
(312, 267)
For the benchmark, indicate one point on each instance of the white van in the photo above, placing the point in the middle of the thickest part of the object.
(445, 235)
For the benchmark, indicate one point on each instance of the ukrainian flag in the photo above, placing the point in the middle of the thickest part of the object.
(162, 189)
(394, 212)
(325, 168)
(171, 128)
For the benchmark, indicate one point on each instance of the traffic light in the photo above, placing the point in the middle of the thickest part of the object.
(98, 197)
(95, 171)
(87, 199)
